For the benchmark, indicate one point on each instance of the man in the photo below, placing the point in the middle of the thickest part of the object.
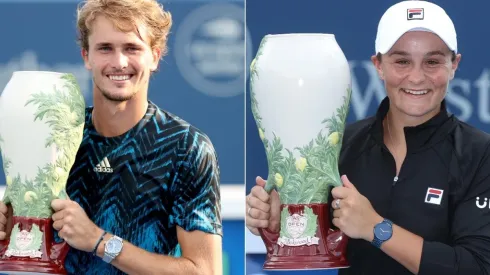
(415, 178)
(144, 189)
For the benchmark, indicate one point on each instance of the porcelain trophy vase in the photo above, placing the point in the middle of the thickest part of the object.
(42, 117)
(300, 94)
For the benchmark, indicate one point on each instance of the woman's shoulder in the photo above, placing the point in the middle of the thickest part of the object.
(358, 129)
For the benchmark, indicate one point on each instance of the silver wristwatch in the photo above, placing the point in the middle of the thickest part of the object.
(113, 248)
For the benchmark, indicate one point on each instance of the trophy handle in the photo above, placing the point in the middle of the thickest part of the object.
(59, 251)
(269, 237)
(336, 242)
(330, 208)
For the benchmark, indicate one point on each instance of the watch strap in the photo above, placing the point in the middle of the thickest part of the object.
(108, 258)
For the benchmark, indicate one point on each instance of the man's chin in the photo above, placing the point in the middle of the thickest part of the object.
(118, 97)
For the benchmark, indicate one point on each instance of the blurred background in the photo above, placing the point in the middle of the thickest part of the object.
(201, 80)
(354, 24)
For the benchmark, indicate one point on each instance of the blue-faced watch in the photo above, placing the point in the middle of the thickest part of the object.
(113, 248)
(382, 232)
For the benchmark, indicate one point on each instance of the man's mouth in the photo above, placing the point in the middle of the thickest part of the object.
(119, 77)
(416, 92)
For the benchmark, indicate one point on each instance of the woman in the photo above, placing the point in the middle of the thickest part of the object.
(415, 178)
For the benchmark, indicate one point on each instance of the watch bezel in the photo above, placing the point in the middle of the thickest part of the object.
(386, 235)
(114, 245)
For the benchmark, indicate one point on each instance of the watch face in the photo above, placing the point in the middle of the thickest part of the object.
(113, 246)
(383, 231)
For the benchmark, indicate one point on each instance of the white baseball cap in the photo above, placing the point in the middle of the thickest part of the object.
(414, 16)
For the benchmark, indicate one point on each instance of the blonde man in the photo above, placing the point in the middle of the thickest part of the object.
(144, 188)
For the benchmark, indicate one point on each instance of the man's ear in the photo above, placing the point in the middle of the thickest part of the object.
(157, 54)
(84, 54)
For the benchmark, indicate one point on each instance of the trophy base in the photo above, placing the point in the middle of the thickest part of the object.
(29, 267)
(303, 263)
(314, 245)
(24, 256)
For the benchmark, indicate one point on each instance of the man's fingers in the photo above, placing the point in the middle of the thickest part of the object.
(254, 202)
(58, 225)
(3, 219)
(58, 204)
(3, 235)
(3, 208)
(259, 192)
(58, 216)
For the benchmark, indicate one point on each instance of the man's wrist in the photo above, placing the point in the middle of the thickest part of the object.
(101, 248)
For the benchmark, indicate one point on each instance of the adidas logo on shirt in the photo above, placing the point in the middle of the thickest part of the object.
(104, 166)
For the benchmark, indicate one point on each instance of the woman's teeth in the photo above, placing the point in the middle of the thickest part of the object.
(414, 92)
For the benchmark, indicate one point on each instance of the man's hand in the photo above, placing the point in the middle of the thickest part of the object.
(3, 221)
(74, 226)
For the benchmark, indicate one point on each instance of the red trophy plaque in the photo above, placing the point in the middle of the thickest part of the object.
(41, 126)
(300, 94)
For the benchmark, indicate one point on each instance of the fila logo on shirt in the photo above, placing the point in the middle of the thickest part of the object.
(104, 166)
(434, 196)
(415, 14)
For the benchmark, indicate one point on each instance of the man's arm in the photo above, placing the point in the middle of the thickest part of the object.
(196, 214)
(201, 254)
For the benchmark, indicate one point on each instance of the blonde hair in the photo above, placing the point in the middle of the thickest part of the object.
(126, 15)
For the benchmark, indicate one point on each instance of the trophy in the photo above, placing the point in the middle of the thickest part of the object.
(300, 89)
(42, 117)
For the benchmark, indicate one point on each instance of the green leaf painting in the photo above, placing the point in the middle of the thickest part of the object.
(304, 179)
(63, 110)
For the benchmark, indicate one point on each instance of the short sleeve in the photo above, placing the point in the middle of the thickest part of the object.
(195, 189)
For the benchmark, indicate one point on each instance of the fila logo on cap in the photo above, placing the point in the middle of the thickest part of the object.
(434, 196)
(415, 14)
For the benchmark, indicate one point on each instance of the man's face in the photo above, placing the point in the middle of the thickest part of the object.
(416, 72)
(121, 63)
